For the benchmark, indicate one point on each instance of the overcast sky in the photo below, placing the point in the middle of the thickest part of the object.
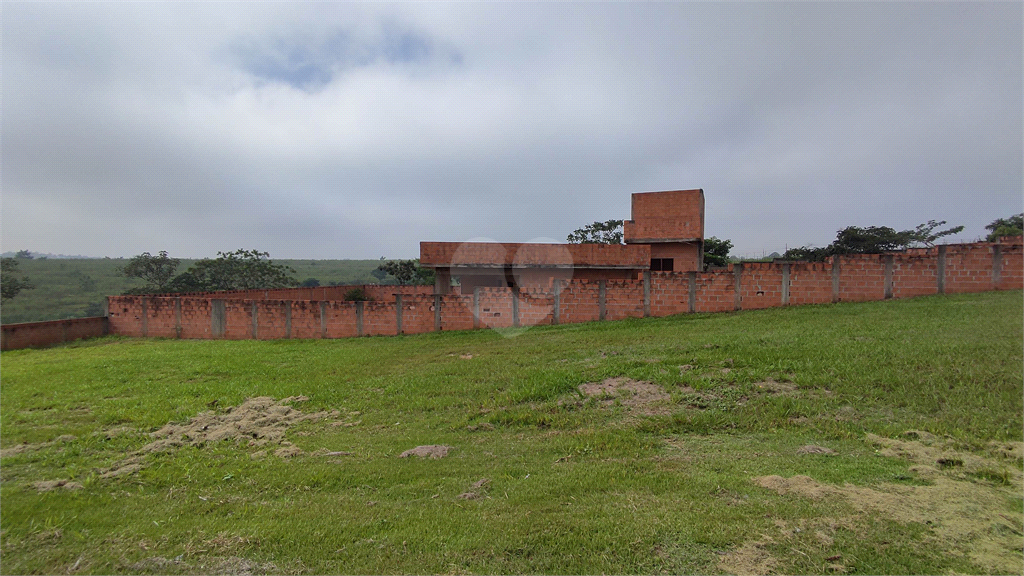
(337, 130)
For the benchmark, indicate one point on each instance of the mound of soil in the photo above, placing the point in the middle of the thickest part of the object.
(258, 421)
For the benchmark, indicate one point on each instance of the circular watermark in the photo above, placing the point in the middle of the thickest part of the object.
(511, 287)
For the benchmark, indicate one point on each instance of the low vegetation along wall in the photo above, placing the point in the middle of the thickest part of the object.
(410, 310)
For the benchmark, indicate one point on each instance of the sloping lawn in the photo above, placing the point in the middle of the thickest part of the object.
(882, 437)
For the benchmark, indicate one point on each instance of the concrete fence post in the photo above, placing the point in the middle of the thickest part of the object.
(887, 278)
(287, 318)
(437, 312)
(691, 300)
(359, 317)
(217, 319)
(785, 283)
(737, 275)
(255, 320)
(177, 317)
(940, 273)
(997, 265)
(515, 307)
(557, 302)
(323, 318)
(398, 313)
(647, 293)
(476, 307)
(602, 294)
(836, 269)
(145, 317)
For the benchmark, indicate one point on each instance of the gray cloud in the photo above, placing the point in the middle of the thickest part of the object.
(357, 130)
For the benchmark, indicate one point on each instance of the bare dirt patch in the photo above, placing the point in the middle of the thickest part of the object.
(749, 559)
(815, 449)
(961, 513)
(775, 388)
(211, 565)
(48, 485)
(433, 451)
(20, 448)
(644, 397)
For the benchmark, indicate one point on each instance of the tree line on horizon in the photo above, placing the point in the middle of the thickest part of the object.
(849, 240)
(253, 269)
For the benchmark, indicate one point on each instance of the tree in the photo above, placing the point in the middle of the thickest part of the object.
(1012, 226)
(408, 272)
(926, 234)
(10, 285)
(238, 270)
(608, 232)
(155, 271)
(716, 252)
(310, 283)
(874, 240)
(25, 254)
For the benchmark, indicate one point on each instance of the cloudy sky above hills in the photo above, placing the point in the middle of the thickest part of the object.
(336, 130)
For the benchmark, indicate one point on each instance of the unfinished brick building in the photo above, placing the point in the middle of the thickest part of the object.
(665, 233)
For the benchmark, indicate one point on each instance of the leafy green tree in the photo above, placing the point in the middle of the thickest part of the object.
(238, 270)
(408, 272)
(10, 285)
(716, 251)
(310, 283)
(874, 240)
(155, 271)
(1012, 226)
(25, 254)
(357, 295)
(926, 234)
(607, 232)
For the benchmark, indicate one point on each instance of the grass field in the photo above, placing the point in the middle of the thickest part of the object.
(75, 288)
(881, 437)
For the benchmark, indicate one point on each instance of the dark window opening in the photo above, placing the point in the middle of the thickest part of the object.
(662, 264)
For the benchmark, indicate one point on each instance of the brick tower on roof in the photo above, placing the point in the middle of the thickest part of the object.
(672, 223)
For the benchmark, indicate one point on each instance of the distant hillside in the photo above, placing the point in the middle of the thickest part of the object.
(76, 287)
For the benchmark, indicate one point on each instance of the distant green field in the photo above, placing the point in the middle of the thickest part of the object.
(870, 438)
(74, 288)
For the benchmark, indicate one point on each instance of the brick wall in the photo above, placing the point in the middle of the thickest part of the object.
(861, 277)
(810, 282)
(969, 268)
(674, 214)
(28, 334)
(760, 285)
(716, 291)
(915, 274)
(1011, 265)
(670, 293)
(230, 315)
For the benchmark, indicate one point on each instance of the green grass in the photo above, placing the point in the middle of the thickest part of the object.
(75, 288)
(576, 486)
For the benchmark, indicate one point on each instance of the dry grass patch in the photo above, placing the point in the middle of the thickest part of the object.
(969, 516)
(644, 397)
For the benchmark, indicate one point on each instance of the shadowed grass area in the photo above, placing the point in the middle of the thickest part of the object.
(574, 484)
